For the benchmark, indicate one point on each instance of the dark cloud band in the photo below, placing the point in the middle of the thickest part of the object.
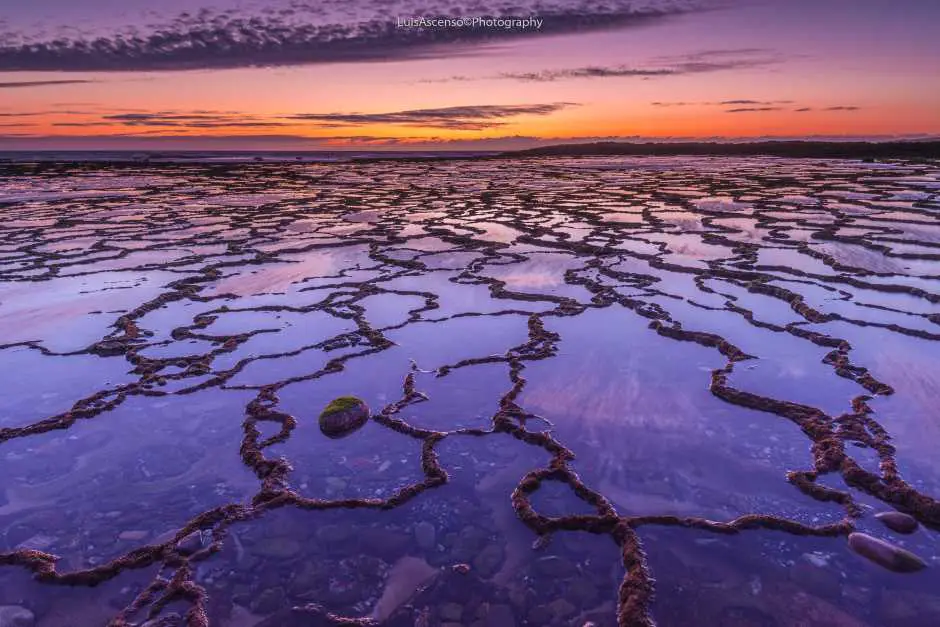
(229, 40)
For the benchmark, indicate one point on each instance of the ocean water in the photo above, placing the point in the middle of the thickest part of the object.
(603, 391)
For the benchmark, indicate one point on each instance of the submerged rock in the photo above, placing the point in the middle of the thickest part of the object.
(500, 615)
(342, 416)
(404, 580)
(191, 543)
(277, 548)
(269, 601)
(885, 554)
(16, 616)
(555, 566)
(898, 521)
(451, 612)
(425, 535)
(909, 607)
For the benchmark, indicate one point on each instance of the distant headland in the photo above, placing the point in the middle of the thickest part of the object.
(798, 149)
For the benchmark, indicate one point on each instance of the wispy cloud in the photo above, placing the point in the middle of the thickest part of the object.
(25, 84)
(702, 62)
(307, 33)
(723, 103)
(465, 118)
(468, 117)
(836, 108)
(196, 119)
(752, 109)
(748, 105)
(545, 76)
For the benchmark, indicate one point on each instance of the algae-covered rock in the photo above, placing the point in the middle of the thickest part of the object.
(342, 416)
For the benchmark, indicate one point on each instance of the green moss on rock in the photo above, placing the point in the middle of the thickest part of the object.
(342, 403)
(343, 415)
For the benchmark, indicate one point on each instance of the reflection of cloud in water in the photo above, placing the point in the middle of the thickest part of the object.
(590, 391)
(497, 232)
(916, 380)
(530, 279)
(862, 258)
(275, 277)
(538, 271)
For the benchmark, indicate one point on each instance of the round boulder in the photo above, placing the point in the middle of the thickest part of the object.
(342, 416)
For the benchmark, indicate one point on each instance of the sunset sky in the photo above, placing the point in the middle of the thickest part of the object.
(342, 74)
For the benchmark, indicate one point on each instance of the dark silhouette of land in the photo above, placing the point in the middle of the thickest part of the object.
(801, 149)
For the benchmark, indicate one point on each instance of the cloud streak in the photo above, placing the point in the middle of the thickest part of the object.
(26, 84)
(752, 106)
(753, 109)
(276, 38)
(724, 103)
(468, 117)
(702, 62)
(196, 119)
(461, 118)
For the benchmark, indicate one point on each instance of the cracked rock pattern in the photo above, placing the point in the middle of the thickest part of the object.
(607, 391)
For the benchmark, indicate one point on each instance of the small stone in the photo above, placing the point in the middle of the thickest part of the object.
(814, 575)
(562, 608)
(388, 544)
(500, 615)
(451, 612)
(39, 542)
(343, 416)
(555, 566)
(334, 534)
(425, 535)
(540, 615)
(468, 543)
(307, 579)
(269, 600)
(489, 559)
(190, 543)
(461, 569)
(898, 521)
(909, 607)
(16, 616)
(583, 592)
(885, 554)
(278, 548)
(336, 484)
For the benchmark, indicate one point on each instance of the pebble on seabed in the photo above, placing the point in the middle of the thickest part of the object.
(16, 616)
(885, 554)
(898, 521)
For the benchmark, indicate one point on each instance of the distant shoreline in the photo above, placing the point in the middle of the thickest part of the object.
(917, 150)
(793, 149)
